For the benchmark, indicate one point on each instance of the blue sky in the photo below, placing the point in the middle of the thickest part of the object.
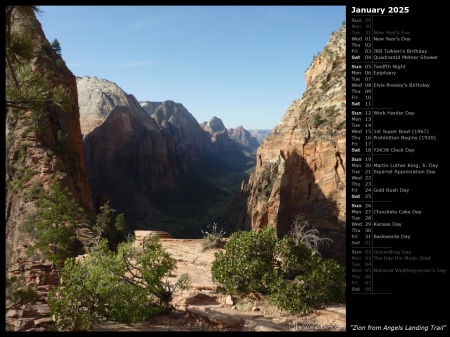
(243, 64)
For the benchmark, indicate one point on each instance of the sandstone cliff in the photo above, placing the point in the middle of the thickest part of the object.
(228, 144)
(153, 160)
(300, 166)
(97, 98)
(243, 137)
(214, 125)
(34, 160)
(129, 158)
(193, 142)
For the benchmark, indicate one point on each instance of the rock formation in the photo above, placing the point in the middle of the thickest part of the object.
(232, 152)
(33, 159)
(36, 157)
(128, 157)
(221, 136)
(300, 167)
(243, 137)
(214, 126)
(153, 160)
(97, 98)
(260, 134)
(37, 316)
(193, 142)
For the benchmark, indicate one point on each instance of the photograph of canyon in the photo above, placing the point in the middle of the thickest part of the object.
(131, 211)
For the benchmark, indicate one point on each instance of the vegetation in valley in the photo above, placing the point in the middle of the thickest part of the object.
(201, 198)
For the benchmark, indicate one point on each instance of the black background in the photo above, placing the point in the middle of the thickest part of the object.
(415, 299)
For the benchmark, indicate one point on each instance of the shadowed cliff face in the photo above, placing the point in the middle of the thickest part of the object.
(128, 159)
(300, 166)
(231, 146)
(193, 142)
(304, 192)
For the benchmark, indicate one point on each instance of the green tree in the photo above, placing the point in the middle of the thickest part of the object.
(33, 91)
(54, 224)
(328, 120)
(247, 265)
(109, 226)
(73, 305)
(331, 115)
(56, 47)
(18, 42)
(127, 285)
(148, 266)
(314, 281)
(293, 258)
(18, 293)
(25, 89)
(290, 271)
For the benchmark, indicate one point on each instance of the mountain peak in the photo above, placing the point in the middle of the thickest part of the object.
(215, 124)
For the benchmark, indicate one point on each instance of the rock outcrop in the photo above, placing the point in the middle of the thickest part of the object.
(141, 236)
(36, 159)
(192, 141)
(215, 125)
(153, 160)
(35, 317)
(260, 134)
(97, 98)
(232, 152)
(243, 137)
(128, 157)
(230, 139)
(300, 167)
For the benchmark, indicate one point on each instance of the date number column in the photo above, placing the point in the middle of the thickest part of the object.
(360, 131)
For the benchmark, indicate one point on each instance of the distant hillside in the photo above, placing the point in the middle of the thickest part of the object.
(235, 146)
(260, 134)
(154, 161)
(243, 137)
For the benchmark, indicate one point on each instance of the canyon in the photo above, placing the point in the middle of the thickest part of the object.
(166, 172)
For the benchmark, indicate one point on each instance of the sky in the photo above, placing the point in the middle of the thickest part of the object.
(242, 64)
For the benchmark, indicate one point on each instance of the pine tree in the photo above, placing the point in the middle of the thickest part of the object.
(56, 47)
(18, 292)
(55, 224)
(18, 43)
(26, 90)
(114, 232)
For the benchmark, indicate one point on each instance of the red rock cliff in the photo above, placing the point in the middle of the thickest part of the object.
(300, 167)
(55, 154)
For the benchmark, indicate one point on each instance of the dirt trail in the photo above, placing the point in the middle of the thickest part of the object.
(201, 308)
